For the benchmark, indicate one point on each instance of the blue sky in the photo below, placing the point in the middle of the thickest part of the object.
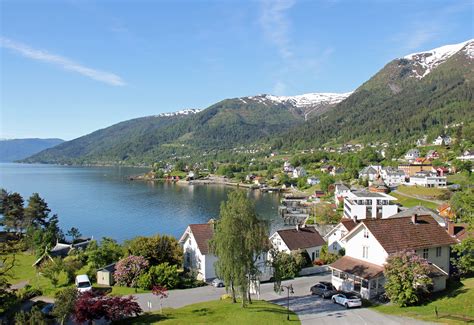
(71, 67)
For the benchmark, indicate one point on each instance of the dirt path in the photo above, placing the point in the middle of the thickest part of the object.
(419, 197)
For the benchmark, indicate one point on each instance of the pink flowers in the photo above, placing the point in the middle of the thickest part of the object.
(129, 269)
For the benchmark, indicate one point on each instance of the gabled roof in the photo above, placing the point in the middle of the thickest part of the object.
(349, 224)
(202, 233)
(302, 238)
(421, 211)
(396, 234)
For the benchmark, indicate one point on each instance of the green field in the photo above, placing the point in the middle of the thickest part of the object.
(218, 312)
(429, 193)
(456, 301)
(411, 202)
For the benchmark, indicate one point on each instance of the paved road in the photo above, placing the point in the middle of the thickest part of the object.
(310, 309)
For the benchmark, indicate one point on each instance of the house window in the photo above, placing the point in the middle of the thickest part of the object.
(334, 246)
(365, 252)
(438, 251)
(366, 233)
(317, 253)
(425, 253)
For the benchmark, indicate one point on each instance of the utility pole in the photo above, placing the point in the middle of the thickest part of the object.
(289, 289)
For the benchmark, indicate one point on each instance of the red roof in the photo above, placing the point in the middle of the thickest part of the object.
(357, 267)
(348, 223)
(202, 233)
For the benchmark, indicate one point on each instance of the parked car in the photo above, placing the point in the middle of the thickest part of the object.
(347, 300)
(323, 289)
(83, 283)
(218, 283)
(47, 310)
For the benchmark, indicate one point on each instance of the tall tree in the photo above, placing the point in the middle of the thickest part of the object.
(11, 207)
(37, 211)
(65, 303)
(237, 242)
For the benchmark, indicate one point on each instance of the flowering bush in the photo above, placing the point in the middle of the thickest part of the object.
(407, 278)
(129, 269)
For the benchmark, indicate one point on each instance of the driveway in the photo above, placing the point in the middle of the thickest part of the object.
(310, 309)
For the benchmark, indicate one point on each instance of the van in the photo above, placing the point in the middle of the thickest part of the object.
(83, 283)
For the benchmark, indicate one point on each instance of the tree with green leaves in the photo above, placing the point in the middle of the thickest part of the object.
(238, 240)
(463, 256)
(462, 203)
(64, 304)
(407, 279)
(108, 252)
(11, 207)
(74, 233)
(37, 211)
(156, 249)
(325, 181)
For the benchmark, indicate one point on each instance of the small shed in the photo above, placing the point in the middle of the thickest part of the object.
(105, 275)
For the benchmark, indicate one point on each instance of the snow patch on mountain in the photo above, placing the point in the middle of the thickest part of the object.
(429, 60)
(187, 111)
(303, 101)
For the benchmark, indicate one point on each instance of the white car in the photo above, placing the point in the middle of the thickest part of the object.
(218, 283)
(347, 300)
(83, 283)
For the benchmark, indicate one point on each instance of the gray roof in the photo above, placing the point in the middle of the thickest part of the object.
(368, 194)
(368, 170)
(419, 210)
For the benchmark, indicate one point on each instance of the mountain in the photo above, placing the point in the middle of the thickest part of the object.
(17, 149)
(414, 95)
(224, 125)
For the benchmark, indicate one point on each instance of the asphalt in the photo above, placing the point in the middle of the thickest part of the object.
(310, 309)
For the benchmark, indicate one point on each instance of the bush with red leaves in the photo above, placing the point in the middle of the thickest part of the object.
(91, 306)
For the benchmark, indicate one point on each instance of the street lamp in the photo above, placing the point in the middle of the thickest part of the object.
(289, 290)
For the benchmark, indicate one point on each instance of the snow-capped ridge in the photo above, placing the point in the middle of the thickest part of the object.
(187, 111)
(302, 101)
(429, 60)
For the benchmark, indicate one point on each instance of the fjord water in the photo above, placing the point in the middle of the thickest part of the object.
(102, 201)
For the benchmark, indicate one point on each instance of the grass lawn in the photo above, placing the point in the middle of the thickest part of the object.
(460, 178)
(456, 300)
(411, 202)
(219, 312)
(422, 191)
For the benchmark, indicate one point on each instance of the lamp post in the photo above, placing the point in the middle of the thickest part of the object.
(289, 289)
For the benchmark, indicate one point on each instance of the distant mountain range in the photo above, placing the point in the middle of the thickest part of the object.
(17, 149)
(410, 96)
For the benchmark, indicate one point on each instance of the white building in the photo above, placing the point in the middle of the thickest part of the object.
(360, 205)
(440, 140)
(287, 168)
(369, 173)
(370, 243)
(340, 192)
(334, 236)
(392, 177)
(299, 172)
(427, 179)
(467, 155)
(300, 238)
(196, 250)
(313, 181)
(412, 154)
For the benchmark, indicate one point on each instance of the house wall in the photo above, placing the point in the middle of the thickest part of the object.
(334, 240)
(207, 267)
(193, 259)
(279, 244)
(441, 261)
(354, 248)
(439, 283)
(316, 250)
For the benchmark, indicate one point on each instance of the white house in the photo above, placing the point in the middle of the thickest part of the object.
(312, 180)
(367, 205)
(392, 177)
(333, 237)
(467, 155)
(369, 244)
(427, 179)
(369, 172)
(440, 140)
(196, 250)
(340, 192)
(300, 238)
(299, 172)
(287, 168)
(412, 154)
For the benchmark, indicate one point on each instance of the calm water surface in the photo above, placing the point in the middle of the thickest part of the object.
(101, 201)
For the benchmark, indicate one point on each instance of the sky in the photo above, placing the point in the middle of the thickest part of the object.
(68, 68)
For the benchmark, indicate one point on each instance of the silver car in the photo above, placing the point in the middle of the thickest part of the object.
(347, 300)
(218, 283)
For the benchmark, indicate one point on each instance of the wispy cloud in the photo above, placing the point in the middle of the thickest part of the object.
(276, 24)
(63, 62)
(420, 35)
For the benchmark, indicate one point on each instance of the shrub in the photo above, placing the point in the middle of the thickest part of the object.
(129, 269)
(28, 292)
(164, 275)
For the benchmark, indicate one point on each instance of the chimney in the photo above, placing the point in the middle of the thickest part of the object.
(450, 228)
(297, 227)
(414, 218)
(355, 219)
